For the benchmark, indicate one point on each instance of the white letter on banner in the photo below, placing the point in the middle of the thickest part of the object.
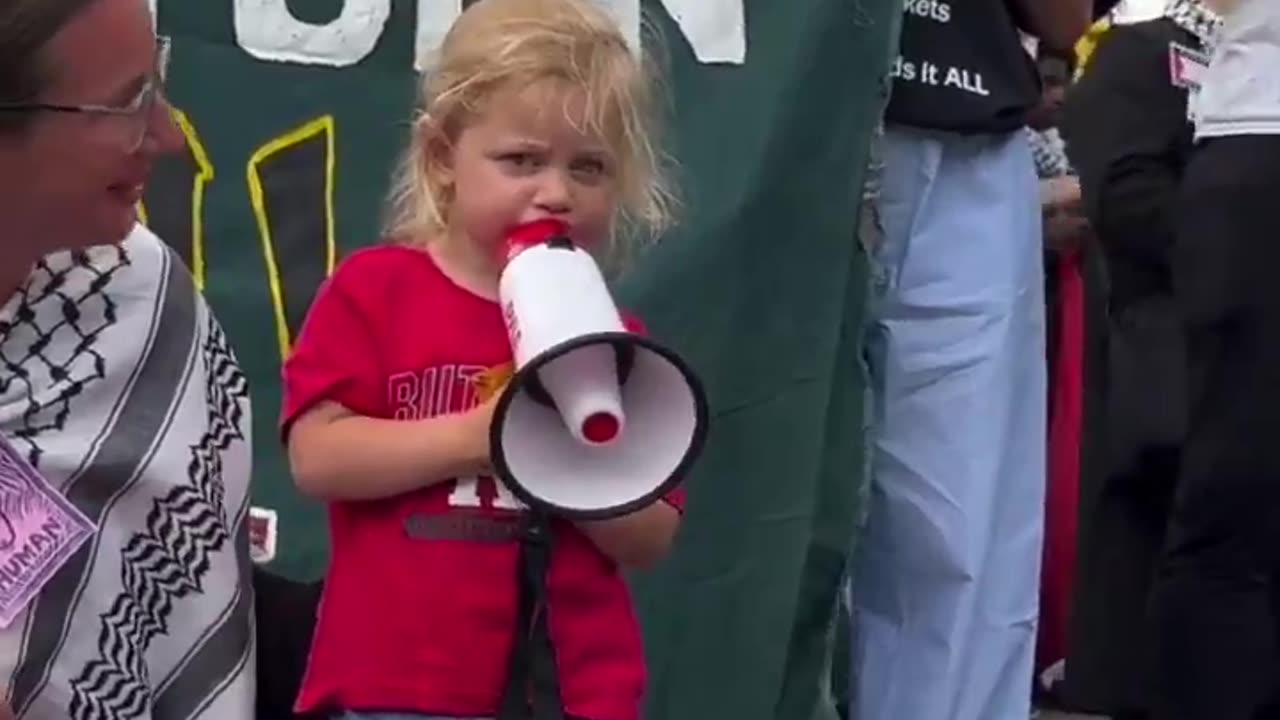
(268, 31)
(627, 14)
(435, 17)
(716, 29)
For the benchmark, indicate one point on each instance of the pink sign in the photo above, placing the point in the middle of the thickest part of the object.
(39, 530)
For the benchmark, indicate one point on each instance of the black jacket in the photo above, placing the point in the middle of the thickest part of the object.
(1127, 133)
(1128, 137)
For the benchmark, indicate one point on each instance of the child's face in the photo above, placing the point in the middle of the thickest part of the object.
(522, 160)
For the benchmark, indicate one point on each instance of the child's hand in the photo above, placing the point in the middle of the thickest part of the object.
(489, 386)
(637, 541)
(480, 418)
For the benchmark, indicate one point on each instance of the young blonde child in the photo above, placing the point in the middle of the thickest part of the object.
(534, 109)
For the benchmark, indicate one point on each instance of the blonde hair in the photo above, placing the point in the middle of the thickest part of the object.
(496, 44)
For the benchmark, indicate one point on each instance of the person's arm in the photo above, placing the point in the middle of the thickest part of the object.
(342, 440)
(1066, 227)
(1126, 130)
(336, 454)
(639, 540)
(1057, 23)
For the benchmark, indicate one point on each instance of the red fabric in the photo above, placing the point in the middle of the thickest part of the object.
(1065, 427)
(426, 626)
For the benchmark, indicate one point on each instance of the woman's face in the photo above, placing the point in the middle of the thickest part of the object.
(72, 178)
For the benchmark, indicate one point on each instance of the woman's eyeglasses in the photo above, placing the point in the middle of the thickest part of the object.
(135, 116)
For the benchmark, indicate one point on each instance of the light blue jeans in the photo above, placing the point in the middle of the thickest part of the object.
(946, 591)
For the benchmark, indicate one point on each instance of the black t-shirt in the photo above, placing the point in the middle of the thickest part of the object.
(962, 68)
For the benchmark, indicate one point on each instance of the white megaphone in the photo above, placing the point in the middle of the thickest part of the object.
(597, 421)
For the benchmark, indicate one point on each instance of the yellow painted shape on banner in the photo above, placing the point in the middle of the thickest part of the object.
(323, 125)
(203, 176)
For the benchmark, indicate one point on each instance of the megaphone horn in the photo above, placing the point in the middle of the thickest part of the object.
(597, 421)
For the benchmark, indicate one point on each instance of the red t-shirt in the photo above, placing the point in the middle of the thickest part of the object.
(418, 616)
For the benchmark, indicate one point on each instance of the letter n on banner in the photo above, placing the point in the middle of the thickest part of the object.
(291, 187)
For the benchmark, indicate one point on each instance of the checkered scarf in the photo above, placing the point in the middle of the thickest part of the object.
(1050, 154)
(1195, 18)
(119, 387)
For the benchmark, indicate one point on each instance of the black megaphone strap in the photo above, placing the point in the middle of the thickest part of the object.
(532, 690)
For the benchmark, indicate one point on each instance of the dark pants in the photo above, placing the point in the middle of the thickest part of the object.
(286, 618)
(1214, 599)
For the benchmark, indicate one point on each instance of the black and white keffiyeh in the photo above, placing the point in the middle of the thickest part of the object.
(118, 384)
(1050, 153)
(1195, 18)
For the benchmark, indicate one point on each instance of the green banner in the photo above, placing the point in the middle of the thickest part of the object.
(763, 289)
(294, 114)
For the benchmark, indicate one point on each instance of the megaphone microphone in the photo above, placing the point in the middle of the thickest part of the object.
(585, 388)
(597, 421)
